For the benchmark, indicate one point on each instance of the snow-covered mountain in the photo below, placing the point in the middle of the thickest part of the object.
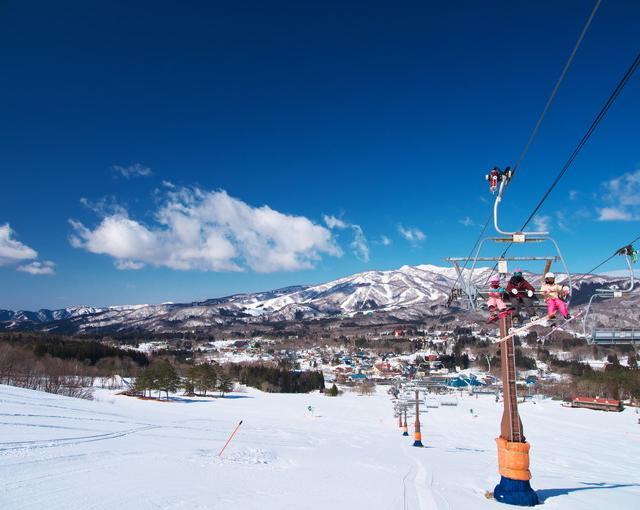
(408, 293)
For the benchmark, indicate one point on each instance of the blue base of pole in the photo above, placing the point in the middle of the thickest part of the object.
(515, 492)
(418, 444)
(405, 433)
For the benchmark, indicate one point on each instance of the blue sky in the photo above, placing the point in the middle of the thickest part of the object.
(165, 151)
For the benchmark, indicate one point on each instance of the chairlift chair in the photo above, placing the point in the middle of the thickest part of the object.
(612, 336)
(469, 289)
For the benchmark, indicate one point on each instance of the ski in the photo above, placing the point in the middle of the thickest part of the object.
(556, 326)
(524, 329)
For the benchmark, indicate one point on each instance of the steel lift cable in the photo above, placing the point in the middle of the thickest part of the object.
(594, 124)
(534, 132)
(536, 128)
(591, 271)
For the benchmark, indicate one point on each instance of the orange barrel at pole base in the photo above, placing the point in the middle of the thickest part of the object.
(513, 459)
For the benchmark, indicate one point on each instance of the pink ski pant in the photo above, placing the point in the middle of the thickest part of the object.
(497, 302)
(554, 304)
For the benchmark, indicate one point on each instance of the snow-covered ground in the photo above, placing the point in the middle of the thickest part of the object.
(125, 453)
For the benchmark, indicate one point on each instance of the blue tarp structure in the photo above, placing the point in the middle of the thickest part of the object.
(464, 382)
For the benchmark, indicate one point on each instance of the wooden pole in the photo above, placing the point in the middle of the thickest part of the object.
(514, 487)
(417, 435)
(511, 425)
(417, 412)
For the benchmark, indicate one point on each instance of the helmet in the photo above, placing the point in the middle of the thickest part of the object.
(550, 276)
(517, 272)
(494, 279)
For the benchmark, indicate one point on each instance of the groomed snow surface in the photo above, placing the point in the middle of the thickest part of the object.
(123, 453)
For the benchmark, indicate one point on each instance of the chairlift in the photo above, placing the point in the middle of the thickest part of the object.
(608, 335)
(468, 289)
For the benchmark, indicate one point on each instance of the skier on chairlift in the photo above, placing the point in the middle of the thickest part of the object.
(521, 294)
(495, 176)
(495, 301)
(630, 252)
(554, 295)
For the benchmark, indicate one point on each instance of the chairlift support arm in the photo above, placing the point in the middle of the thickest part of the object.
(496, 204)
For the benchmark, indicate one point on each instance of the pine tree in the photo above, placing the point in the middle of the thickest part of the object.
(143, 382)
(225, 383)
(333, 391)
(167, 378)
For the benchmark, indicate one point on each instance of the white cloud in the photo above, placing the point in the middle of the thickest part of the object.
(129, 171)
(11, 250)
(385, 241)
(45, 267)
(542, 223)
(613, 214)
(209, 231)
(411, 234)
(574, 194)
(128, 264)
(333, 222)
(622, 198)
(467, 221)
(562, 221)
(359, 245)
(14, 252)
(104, 206)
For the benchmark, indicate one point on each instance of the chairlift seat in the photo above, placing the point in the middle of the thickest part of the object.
(613, 336)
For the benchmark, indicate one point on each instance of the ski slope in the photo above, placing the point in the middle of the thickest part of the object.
(124, 453)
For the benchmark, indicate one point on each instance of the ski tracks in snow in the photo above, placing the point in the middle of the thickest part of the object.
(425, 494)
(50, 443)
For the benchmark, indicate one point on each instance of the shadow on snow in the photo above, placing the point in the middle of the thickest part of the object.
(545, 494)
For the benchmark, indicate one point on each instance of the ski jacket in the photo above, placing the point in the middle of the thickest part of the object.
(496, 293)
(554, 291)
(522, 286)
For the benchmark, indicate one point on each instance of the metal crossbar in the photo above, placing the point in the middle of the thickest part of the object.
(554, 258)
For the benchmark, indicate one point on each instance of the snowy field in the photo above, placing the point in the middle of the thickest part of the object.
(123, 453)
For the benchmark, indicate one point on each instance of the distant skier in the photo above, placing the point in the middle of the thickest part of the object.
(521, 295)
(495, 302)
(554, 295)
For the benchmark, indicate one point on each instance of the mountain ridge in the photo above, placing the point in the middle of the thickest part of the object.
(408, 293)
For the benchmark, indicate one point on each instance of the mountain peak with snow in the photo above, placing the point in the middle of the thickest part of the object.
(408, 293)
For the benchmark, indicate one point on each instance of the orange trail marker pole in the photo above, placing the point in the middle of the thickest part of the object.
(230, 438)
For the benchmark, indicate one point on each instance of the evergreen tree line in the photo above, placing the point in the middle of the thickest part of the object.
(88, 352)
(162, 377)
(615, 381)
(208, 377)
(277, 380)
